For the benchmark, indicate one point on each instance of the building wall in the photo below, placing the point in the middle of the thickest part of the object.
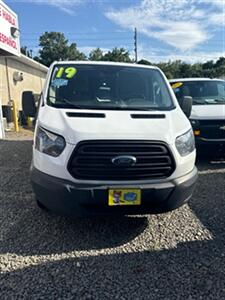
(34, 75)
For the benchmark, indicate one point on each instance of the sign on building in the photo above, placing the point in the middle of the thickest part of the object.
(9, 43)
(9, 31)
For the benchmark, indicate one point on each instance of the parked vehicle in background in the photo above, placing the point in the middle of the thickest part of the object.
(111, 138)
(208, 110)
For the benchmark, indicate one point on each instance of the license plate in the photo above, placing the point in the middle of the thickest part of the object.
(119, 197)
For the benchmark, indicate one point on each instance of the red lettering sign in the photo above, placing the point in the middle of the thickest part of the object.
(8, 17)
(8, 41)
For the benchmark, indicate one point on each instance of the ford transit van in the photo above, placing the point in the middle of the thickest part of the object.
(208, 110)
(110, 138)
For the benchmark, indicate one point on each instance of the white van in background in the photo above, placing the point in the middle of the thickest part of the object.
(208, 110)
(110, 138)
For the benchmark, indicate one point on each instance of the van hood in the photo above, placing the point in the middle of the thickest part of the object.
(163, 126)
(203, 112)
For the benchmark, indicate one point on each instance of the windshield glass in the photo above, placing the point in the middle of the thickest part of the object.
(108, 87)
(202, 92)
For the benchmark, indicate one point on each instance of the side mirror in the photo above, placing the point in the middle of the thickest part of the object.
(28, 104)
(186, 105)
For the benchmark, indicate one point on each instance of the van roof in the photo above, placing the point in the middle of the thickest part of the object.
(107, 63)
(194, 79)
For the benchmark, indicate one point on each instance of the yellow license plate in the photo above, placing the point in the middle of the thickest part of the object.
(124, 197)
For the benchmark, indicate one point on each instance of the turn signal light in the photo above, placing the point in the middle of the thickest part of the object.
(197, 132)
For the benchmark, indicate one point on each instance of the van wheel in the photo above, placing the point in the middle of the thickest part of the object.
(40, 205)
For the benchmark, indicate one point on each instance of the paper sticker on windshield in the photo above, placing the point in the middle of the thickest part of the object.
(58, 82)
(69, 72)
(176, 85)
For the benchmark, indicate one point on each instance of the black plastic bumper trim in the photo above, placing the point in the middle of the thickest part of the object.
(75, 199)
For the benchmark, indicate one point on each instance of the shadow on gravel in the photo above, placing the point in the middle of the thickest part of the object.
(25, 229)
(208, 203)
(191, 270)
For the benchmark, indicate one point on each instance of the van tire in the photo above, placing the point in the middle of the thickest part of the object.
(40, 205)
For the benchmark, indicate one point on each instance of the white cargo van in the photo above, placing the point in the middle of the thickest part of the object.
(111, 138)
(208, 110)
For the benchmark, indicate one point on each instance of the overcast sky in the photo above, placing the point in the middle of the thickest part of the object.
(191, 30)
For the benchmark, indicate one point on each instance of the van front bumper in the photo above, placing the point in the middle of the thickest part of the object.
(71, 199)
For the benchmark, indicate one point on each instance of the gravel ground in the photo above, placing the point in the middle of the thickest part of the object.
(179, 255)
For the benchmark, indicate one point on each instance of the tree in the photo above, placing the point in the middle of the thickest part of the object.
(25, 51)
(118, 55)
(208, 65)
(96, 55)
(54, 47)
(144, 62)
(196, 70)
(74, 54)
(185, 70)
(220, 62)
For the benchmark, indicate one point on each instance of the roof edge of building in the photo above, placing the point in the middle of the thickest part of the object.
(30, 62)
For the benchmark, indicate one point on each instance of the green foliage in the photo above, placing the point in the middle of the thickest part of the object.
(55, 47)
(96, 55)
(144, 62)
(74, 54)
(25, 51)
(118, 55)
(220, 62)
(179, 69)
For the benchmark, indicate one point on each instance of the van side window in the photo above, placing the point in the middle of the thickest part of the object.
(159, 91)
(221, 90)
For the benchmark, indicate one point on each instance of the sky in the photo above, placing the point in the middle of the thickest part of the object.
(190, 30)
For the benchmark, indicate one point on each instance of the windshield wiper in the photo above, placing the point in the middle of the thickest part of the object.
(101, 107)
(219, 100)
(65, 101)
(198, 101)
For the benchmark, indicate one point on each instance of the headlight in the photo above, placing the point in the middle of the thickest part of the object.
(185, 143)
(49, 143)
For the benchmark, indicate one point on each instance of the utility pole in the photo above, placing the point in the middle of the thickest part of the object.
(135, 44)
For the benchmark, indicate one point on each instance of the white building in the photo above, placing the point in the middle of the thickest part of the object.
(18, 73)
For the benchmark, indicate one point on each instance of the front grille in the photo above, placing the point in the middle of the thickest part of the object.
(212, 129)
(92, 160)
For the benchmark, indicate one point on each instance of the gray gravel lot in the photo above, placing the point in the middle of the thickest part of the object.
(179, 255)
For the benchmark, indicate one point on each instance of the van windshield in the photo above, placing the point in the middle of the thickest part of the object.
(108, 87)
(203, 92)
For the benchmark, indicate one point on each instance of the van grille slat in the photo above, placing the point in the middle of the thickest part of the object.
(211, 129)
(92, 160)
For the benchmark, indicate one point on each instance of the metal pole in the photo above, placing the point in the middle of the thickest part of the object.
(135, 44)
(15, 118)
(7, 76)
(2, 130)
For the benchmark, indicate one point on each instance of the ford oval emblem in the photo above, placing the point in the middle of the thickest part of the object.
(124, 161)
